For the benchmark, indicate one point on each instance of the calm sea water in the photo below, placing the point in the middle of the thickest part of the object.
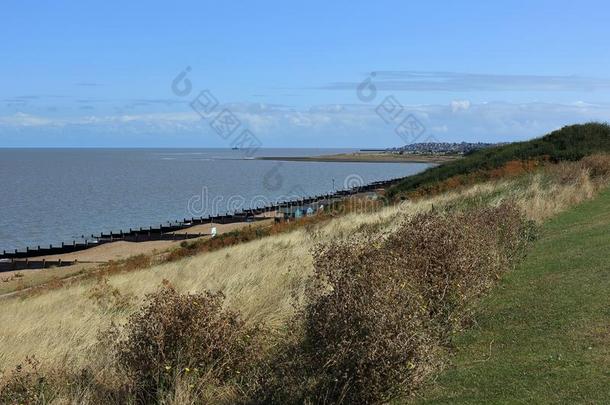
(54, 195)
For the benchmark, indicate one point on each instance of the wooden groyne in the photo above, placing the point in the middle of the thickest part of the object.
(27, 264)
(167, 232)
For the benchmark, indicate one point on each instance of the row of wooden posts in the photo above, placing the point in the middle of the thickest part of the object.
(167, 232)
(27, 264)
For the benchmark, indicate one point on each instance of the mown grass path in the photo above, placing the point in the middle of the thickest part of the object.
(542, 335)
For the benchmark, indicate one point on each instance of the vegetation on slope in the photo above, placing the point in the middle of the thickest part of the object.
(543, 335)
(376, 314)
(567, 144)
(372, 318)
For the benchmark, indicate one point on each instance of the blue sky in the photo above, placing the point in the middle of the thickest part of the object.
(101, 73)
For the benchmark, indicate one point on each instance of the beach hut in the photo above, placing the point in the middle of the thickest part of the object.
(297, 211)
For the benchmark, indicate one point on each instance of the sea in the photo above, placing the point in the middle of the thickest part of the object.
(49, 196)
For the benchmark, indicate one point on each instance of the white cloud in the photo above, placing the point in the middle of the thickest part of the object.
(26, 120)
(458, 105)
(346, 125)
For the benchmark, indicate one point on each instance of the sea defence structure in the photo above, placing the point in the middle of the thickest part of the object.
(168, 232)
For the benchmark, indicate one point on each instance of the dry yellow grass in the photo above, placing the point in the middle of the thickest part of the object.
(11, 281)
(261, 278)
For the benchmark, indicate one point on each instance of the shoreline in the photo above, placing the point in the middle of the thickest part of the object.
(116, 246)
(366, 157)
(122, 249)
(79, 263)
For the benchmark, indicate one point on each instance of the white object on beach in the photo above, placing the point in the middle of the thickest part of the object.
(213, 231)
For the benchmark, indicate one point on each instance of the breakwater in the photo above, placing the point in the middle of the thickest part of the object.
(168, 232)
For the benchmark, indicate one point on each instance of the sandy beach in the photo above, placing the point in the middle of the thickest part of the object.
(122, 249)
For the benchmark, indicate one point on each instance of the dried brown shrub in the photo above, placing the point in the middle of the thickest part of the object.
(566, 172)
(29, 383)
(136, 262)
(131, 263)
(176, 336)
(26, 384)
(179, 253)
(108, 297)
(598, 164)
(452, 258)
(377, 312)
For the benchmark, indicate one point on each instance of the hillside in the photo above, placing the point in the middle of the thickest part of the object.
(544, 334)
(569, 143)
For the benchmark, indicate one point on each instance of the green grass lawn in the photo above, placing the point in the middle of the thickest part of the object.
(542, 335)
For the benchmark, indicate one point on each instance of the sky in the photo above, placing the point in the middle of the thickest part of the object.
(307, 74)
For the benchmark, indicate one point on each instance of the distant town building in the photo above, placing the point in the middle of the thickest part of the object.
(441, 148)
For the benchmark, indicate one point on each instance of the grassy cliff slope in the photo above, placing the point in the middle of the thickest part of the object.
(544, 335)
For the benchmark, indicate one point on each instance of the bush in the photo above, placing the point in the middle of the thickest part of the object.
(109, 298)
(131, 263)
(358, 338)
(566, 172)
(26, 384)
(377, 312)
(452, 258)
(598, 164)
(175, 337)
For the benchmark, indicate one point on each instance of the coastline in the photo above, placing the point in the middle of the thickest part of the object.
(117, 246)
(13, 282)
(78, 263)
(366, 157)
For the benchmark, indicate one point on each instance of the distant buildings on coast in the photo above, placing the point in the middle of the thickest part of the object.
(437, 148)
